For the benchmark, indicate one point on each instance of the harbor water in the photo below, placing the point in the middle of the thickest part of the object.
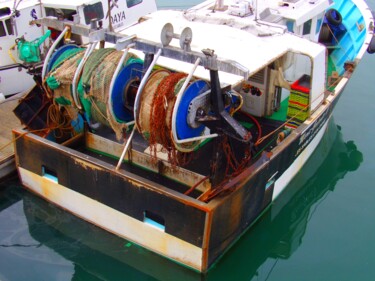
(321, 228)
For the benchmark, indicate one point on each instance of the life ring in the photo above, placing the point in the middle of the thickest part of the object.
(333, 17)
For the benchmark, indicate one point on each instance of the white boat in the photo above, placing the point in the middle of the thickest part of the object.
(278, 235)
(181, 136)
(15, 18)
(23, 47)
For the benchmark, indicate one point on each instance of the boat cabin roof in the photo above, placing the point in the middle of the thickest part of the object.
(252, 49)
(19, 4)
(64, 4)
(270, 10)
(300, 10)
(61, 4)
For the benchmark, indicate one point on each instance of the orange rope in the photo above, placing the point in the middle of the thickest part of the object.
(25, 133)
(234, 167)
(191, 189)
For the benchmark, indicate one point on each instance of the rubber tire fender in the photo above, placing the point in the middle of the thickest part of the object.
(325, 35)
(334, 17)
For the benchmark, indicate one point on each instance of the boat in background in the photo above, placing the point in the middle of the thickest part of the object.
(23, 48)
(14, 23)
(180, 136)
(22, 44)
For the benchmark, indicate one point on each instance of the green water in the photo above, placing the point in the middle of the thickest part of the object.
(321, 228)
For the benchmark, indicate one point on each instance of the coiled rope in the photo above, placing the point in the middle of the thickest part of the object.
(154, 120)
(161, 115)
(93, 86)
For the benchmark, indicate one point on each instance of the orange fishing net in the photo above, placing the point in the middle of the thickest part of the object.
(146, 101)
(160, 117)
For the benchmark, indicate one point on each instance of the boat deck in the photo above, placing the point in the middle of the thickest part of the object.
(102, 145)
(9, 121)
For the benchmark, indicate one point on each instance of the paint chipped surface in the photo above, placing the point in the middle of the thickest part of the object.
(87, 165)
(114, 221)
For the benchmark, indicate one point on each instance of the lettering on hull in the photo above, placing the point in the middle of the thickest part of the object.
(118, 19)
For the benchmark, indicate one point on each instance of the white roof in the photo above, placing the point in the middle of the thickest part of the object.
(62, 4)
(67, 4)
(20, 5)
(251, 51)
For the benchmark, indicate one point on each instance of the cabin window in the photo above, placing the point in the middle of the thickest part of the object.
(307, 27)
(318, 25)
(154, 220)
(6, 28)
(60, 13)
(94, 11)
(290, 25)
(2, 30)
(131, 3)
(8, 24)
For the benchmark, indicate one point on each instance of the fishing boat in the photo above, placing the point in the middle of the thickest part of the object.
(180, 131)
(24, 46)
(108, 256)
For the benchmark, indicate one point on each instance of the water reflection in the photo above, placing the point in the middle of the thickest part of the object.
(62, 247)
(280, 230)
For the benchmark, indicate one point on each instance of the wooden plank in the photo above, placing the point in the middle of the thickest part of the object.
(8, 121)
(109, 147)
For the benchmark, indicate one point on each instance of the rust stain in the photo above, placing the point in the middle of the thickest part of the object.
(44, 186)
(206, 241)
(135, 183)
(51, 192)
(235, 210)
(237, 182)
(144, 160)
(86, 165)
